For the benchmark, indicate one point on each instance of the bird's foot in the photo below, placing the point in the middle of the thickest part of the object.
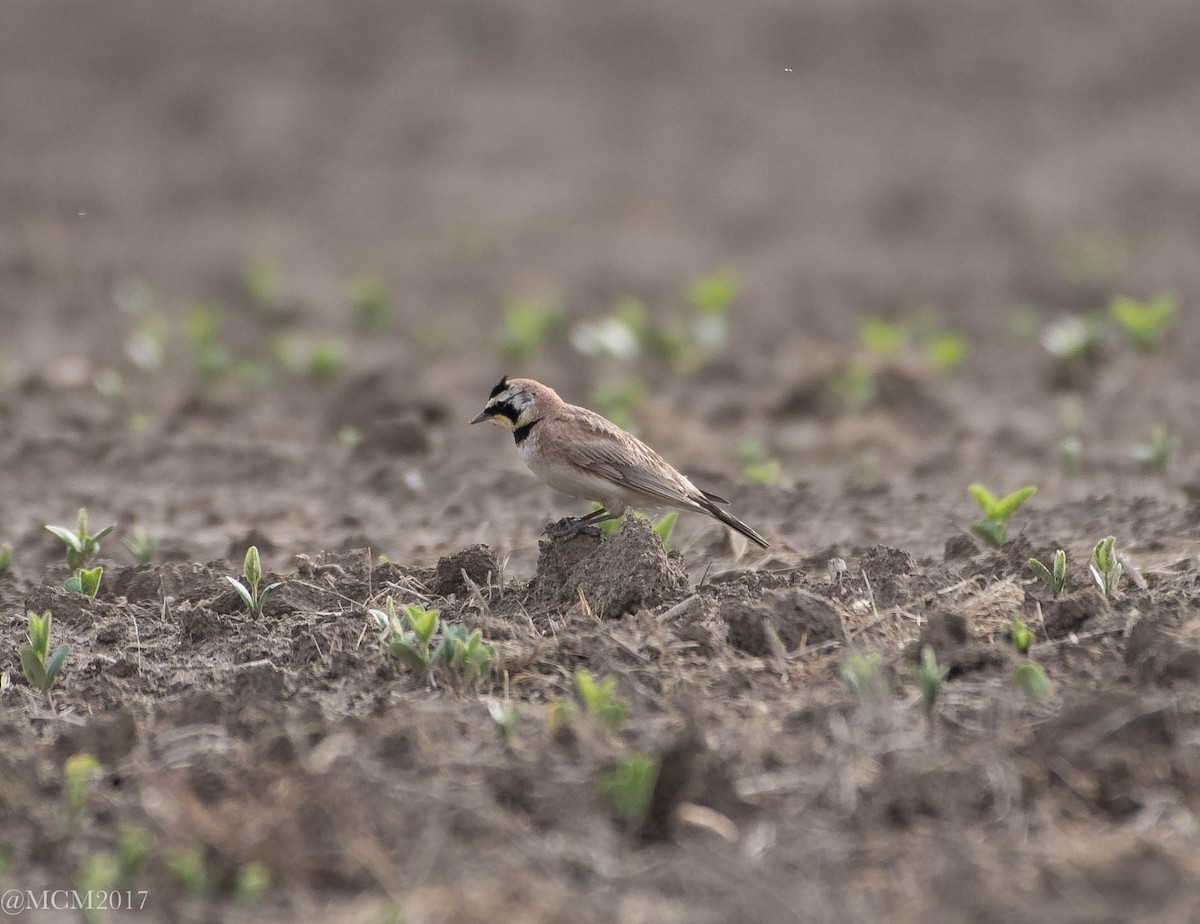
(569, 527)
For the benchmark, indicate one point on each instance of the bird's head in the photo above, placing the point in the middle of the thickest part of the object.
(515, 402)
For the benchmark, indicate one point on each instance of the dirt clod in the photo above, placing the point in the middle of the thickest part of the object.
(477, 561)
(629, 571)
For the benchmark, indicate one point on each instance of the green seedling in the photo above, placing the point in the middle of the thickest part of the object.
(757, 464)
(600, 700)
(370, 306)
(863, 677)
(946, 350)
(190, 870)
(99, 873)
(465, 652)
(85, 581)
(711, 297)
(528, 326)
(1054, 577)
(5, 557)
(326, 360)
(407, 640)
(992, 527)
(1030, 678)
(142, 547)
(663, 525)
(1075, 341)
(608, 338)
(1019, 635)
(1156, 454)
(1105, 566)
(1070, 454)
(883, 337)
(251, 882)
(79, 772)
(40, 667)
(505, 716)
(252, 573)
(1145, 323)
(81, 546)
(930, 676)
(628, 789)
(133, 846)
(210, 356)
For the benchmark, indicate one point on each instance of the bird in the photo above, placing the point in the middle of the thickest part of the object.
(585, 455)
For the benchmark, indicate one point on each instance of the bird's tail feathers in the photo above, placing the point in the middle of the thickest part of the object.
(710, 507)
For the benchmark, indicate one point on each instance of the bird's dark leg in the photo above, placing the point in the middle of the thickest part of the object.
(570, 527)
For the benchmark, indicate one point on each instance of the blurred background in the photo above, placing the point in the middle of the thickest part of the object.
(809, 246)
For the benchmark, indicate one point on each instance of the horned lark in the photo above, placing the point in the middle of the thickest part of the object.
(580, 453)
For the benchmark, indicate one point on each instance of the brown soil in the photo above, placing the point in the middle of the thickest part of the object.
(847, 159)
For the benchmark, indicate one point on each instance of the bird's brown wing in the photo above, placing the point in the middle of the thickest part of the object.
(604, 449)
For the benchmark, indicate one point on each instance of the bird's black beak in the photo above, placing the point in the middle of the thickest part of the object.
(483, 415)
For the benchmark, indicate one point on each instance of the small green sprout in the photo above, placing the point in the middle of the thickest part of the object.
(85, 581)
(81, 546)
(528, 325)
(133, 846)
(600, 700)
(1156, 454)
(79, 772)
(505, 716)
(946, 350)
(40, 667)
(883, 337)
(711, 297)
(408, 641)
(992, 528)
(326, 360)
(930, 676)
(1070, 454)
(190, 869)
(1030, 678)
(757, 464)
(628, 789)
(210, 356)
(608, 338)
(465, 652)
(1105, 566)
(1054, 577)
(99, 873)
(663, 525)
(1075, 341)
(251, 882)
(141, 546)
(863, 677)
(369, 304)
(1145, 323)
(1019, 635)
(5, 557)
(249, 592)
